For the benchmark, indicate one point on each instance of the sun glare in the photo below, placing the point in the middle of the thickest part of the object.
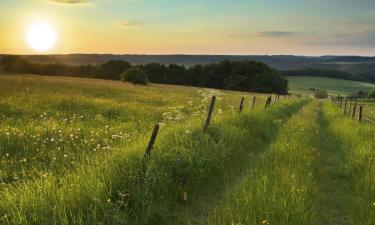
(41, 36)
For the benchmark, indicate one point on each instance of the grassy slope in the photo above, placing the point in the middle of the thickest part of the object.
(292, 164)
(38, 112)
(333, 86)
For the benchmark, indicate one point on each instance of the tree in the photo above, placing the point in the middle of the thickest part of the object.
(135, 75)
(111, 70)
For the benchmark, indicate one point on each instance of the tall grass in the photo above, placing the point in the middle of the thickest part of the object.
(357, 142)
(97, 175)
(281, 188)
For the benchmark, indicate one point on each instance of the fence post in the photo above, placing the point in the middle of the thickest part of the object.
(252, 107)
(241, 103)
(360, 113)
(354, 110)
(265, 106)
(209, 115)
(152, 141)
(345, 105)
(269, 103)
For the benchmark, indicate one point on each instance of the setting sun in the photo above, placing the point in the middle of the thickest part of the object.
(41, 36)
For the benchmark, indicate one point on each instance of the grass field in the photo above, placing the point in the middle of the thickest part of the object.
(302, 85)
(71, 152)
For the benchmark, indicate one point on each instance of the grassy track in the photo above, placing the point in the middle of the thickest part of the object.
(335, 199)
(355, 197)
(281, 188)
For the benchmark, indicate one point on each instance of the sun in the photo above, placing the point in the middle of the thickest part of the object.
(41, 36)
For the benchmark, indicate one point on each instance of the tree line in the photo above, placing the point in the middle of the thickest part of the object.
(229, 75)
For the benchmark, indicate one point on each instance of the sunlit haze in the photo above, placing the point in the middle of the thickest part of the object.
(303, 27)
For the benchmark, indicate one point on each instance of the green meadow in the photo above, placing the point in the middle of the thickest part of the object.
(303, 85)
(71, 152)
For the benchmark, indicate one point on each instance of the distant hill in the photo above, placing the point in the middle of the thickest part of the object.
(361, 68)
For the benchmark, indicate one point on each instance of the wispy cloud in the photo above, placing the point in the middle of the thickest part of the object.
(126, 24)
(72, 1)
(275, 34)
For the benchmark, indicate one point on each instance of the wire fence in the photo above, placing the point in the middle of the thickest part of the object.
(208, 119)
(352, 108)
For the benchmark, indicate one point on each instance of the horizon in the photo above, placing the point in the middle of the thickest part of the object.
(175, 27)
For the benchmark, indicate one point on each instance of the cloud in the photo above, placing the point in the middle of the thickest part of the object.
(275, 34)
(72, 1)
(127, 24)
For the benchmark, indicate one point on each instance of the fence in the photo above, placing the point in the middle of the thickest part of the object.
(350, 107)
(209, 117)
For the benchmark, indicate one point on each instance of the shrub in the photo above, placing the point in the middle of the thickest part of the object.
(135, 75)
(320, 94)
(371, 94)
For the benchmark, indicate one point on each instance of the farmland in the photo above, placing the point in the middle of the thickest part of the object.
(302, 85)
(71, 152)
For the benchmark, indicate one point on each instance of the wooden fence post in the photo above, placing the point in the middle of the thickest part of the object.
(152, 141)
(241, 103)
(345, 105)
(269, 103)
(360, 113)
(254, 99)
(354, 110)
(209, 115)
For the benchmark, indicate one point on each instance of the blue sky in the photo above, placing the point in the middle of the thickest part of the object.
(340, 27)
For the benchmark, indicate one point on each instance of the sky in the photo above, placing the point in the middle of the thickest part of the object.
(235, 27)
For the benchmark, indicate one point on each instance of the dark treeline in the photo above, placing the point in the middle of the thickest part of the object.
(229, 75)
(330, 73)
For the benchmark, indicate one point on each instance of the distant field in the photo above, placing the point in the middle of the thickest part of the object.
(333, 86)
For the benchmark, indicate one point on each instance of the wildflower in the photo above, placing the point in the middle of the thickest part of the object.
(65, 156)
(265, 222)
(373, 204)
(108, 200)
(7, 155)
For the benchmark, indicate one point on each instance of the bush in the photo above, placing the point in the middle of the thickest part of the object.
(371, 94)
(320, 94)
(135, 75)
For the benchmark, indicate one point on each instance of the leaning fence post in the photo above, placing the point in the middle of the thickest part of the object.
(209, 115)
(252, 107)
(241, 103)
(268, 101)
(360, 113)
(152, 140)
